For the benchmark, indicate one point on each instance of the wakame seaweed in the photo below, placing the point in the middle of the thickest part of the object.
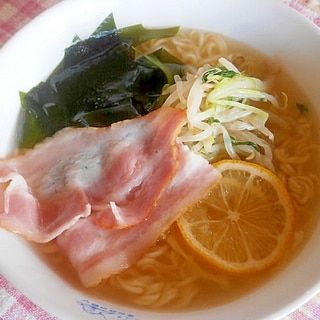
(98, 82)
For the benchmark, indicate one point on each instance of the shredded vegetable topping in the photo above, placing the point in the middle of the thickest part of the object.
(222, 120)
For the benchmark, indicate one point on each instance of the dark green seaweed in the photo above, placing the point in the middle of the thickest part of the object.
(99, 81)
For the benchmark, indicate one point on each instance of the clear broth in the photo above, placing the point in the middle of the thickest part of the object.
(224, 288)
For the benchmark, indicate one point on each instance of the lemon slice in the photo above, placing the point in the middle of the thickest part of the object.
(246, 222)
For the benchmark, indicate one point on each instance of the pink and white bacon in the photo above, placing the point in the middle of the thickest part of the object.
(105, 194)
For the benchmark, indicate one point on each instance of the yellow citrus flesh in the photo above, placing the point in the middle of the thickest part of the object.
(245, 223)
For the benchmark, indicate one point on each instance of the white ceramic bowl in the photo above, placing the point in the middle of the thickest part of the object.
(268, 25)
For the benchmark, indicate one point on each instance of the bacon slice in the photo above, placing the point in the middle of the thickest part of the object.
(118, 173)
(96, 253)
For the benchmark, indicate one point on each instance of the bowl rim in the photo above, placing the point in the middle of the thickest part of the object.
(284, 14)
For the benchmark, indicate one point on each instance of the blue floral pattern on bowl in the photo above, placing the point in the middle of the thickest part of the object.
(104, 312)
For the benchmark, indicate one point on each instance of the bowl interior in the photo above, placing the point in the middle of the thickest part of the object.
(269, 26)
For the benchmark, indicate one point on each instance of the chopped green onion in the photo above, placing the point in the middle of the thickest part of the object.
(244, 143)
(218, 72)
(213, 120)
